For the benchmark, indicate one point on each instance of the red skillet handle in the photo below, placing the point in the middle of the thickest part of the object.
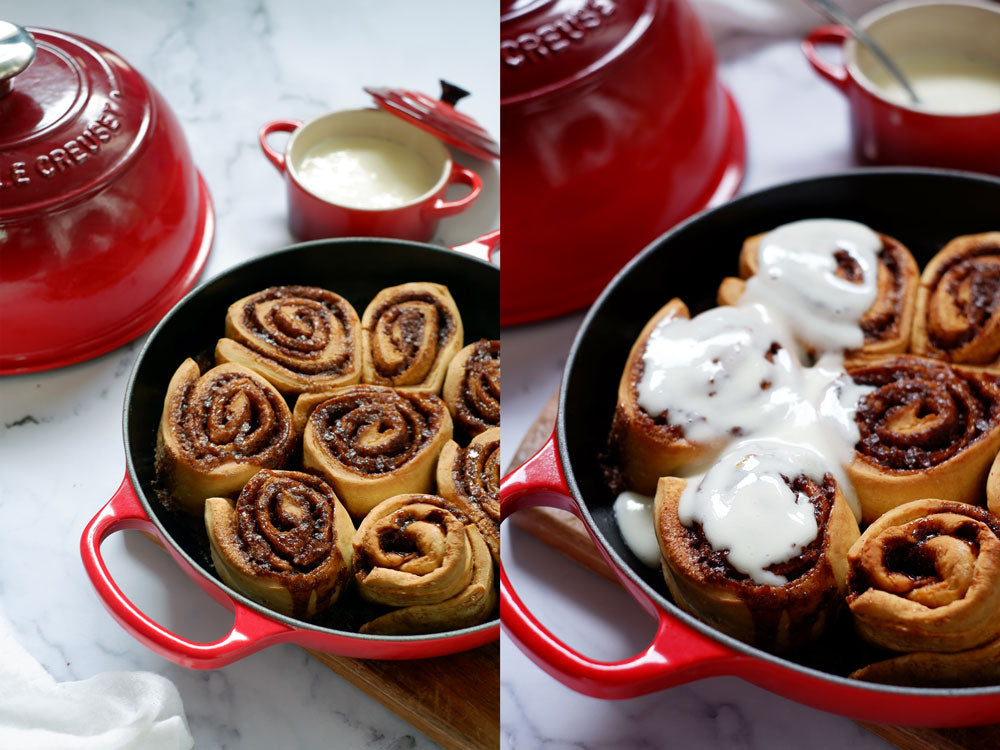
(835, 74)
(677, 654)
(250, 632)
(481, 247)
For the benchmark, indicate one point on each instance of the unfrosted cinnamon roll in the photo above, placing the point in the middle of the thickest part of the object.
(286, 542)
(689, 387)
(419, 553)
(372, 442)
(926, 577)
(410, 334)
(469, 478)
(217, 430)
(472, 387)
(958, 305)
(300, 338)
(887, 323)
(928, 429)
(758, 546)
(977, 666)
(993, 488)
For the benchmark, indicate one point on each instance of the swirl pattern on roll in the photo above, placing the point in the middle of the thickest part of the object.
(926, 577)
(927, 428)
(217, 430)
(300, 338)
(372, 442)
(410, 334)
(958, 306)
(418, 552)
(472, 387)
(469, 478)
(287, 543)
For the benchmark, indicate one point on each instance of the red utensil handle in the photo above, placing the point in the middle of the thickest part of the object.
(677, 653)
(835, 74)
(481, 247)
(459, 176)
(250, 632)
(277, 158)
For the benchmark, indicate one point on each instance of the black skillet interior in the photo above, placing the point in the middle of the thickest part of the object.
(921, 208)
(354, 268)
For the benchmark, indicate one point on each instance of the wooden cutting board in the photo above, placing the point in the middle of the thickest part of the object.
(567, 534)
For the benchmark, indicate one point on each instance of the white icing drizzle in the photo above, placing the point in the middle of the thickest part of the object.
(634, 515)
(773, 416)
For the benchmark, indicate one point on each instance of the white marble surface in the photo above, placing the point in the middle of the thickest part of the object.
(226, 68)
(796, 126)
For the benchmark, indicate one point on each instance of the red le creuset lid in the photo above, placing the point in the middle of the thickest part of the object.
(439, 117)
(104, 221)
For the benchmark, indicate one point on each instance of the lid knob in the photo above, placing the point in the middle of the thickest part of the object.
(450, 93)
(17, 50)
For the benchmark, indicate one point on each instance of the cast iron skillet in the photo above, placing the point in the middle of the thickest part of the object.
(921, 208)
(356, 269)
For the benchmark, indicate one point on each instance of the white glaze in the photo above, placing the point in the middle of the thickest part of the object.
(634, 515)
(365, 172)
(796, 280)
(946, 83)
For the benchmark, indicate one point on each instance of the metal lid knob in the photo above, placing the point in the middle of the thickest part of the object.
(17, 50)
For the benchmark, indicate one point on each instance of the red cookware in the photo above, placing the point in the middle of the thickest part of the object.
(924, 209)
(895, 131)
(104, 221)
(357, 269)
(614, 127)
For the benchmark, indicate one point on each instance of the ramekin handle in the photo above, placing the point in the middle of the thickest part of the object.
(677, 653)
(277, 158)
(250, 632)
(459, 176)
(835, 74)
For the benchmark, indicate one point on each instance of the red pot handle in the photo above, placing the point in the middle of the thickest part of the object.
(835, 74)
(459, 176)
(677, 653)
(250, 632)
(277, 158)
(481, 247)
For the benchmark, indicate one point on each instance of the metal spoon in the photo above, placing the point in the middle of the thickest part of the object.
(837, 15)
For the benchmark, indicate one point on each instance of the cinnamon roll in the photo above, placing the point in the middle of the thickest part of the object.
(300, 338)
(372, 442)
(286, 542)
(419, 553)
(217, 430)
(993, 488)
(690, 386)
(977, 666)
(885, 323)
(927, 429)
(410, 333)
(958, 305)
(757, 547)
(926, 577)
(469, 478)
(472, 387)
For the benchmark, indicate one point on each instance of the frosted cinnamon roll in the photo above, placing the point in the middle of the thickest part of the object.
(410, 334)
(300, 338)
(757, 547)
(690, 386)
(472, 387)
(927, 429)
(469, 478)
(926, 577)
(217, 430)
(419, 553)
(372, 442)
(958, 305)
(829, 278)
(286, 542)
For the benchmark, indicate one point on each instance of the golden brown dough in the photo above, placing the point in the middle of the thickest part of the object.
(472, 387)
(469, 478)
(978, 666)
(217, 430)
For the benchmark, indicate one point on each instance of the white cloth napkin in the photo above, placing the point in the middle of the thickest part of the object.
(111, 711)
(770, 17)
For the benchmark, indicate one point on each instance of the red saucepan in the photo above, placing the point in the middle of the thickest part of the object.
(356, 269)
(922, 208)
